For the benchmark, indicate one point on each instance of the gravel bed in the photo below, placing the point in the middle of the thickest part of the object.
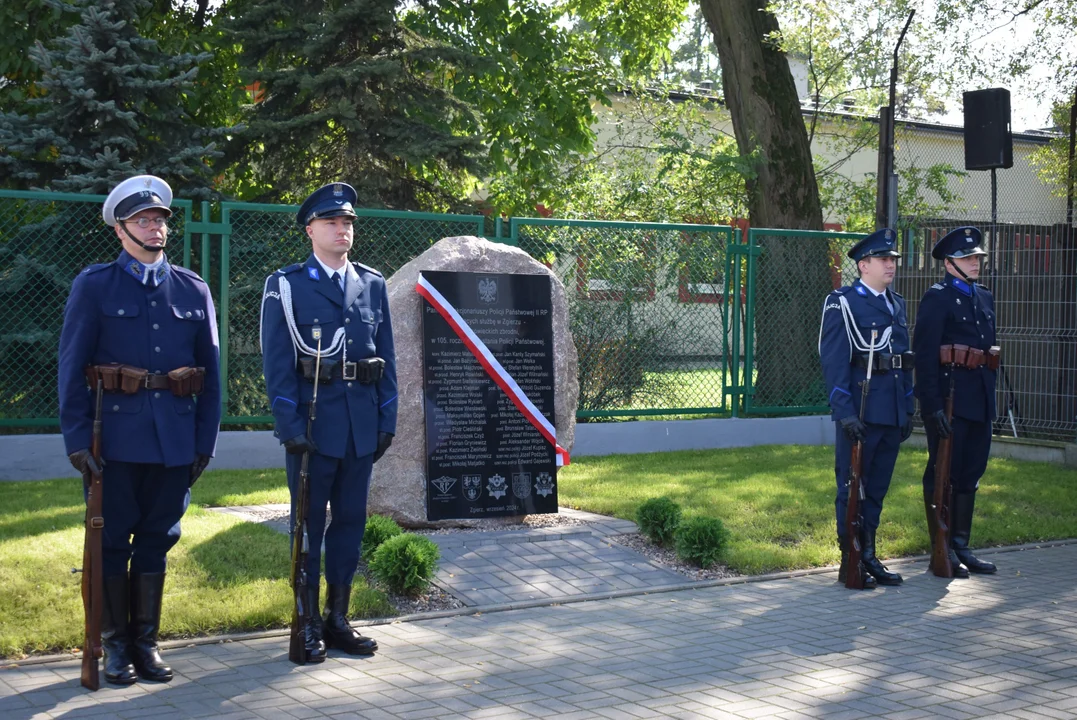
(526, 522)
(668, 558)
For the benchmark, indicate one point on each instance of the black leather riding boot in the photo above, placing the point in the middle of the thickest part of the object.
(338, 633)
(147, 592)
(869, 581)
(315, 645)
(961, 531)
(960, 571)
(114, 639)
(871, 563)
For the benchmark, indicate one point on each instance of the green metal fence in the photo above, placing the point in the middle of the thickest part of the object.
(786, 275)
(668, 319)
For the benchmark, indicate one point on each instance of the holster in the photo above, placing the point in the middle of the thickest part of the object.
(325, 372)
(970, 358)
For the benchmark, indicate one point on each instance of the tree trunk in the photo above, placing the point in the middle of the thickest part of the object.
(793, 274)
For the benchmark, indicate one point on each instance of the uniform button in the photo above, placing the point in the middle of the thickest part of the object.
(188, 314)
(350, 341)
(115, 408)
(315, 319)
(347, 320)
(157, 394)
(157, 349)
(349, 384)
(119, 312)
(156, 326)
(153, 303)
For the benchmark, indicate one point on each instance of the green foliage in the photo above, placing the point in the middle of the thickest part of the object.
(406, 563)
(658, 519)
(379, 528)
(344, 91)
(110, 103)
(701, 540)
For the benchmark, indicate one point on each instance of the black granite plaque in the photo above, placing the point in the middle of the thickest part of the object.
(484, 458)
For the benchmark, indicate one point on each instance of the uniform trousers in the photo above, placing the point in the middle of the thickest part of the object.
(968, 454)
(142, 504)
(878, 457)
(342, 483)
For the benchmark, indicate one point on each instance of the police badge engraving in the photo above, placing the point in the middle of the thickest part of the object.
(496, 487)
(544, 484)
(443, 484)
(521, 485)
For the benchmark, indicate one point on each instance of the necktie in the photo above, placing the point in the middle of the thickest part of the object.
(338, 281)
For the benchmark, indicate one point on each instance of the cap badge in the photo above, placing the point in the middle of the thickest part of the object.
(338, 189)
(148, 182)
(889, 236)
(968, 232)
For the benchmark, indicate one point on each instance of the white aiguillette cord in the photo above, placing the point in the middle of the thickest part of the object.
(289, 318)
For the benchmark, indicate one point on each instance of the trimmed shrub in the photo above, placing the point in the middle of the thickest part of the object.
(379, 528)
(700, 540)
(658, 519)
(406, 563)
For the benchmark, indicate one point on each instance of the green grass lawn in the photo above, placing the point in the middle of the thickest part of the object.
(229, 575)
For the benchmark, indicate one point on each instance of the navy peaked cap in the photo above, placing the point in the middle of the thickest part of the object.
(332, 200)
(962, 242)
(881, 243)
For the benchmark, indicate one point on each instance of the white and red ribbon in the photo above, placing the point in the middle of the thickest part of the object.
(492, 366)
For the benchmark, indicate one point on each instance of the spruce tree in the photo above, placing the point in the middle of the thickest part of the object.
(344, 92)
(111, 104)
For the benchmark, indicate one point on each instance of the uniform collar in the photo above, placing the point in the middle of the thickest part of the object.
(147, 275)
(959, 284)
(348, 270)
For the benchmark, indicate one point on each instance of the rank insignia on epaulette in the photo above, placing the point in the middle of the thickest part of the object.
(313, 273)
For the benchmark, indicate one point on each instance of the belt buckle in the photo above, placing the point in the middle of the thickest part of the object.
(146, 381)
(344, 371)
(895, 362)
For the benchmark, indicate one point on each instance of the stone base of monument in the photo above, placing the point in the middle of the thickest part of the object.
(399, 484)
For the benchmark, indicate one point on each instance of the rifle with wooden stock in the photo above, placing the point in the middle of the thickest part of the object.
(854, 569)
(940, 544)
(93, 588)
(297, 644)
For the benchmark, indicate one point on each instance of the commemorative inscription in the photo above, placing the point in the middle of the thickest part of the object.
(484, 457)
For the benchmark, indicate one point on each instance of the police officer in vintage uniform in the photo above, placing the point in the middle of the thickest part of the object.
(850, 315)
(148, 331)
(958, 311)
(357, 399)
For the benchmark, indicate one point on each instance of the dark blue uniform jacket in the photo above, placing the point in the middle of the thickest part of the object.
(347, 411)
(890, 399)
(111, 317)
(954, 313)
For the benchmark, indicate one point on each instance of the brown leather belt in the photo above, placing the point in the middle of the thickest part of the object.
(127, 379)
(970, 358)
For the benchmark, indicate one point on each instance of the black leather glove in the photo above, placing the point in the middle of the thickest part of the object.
(941, 424)
(384, 441)
(299, 445)
(198, 467)
(853, 428)
(906, 429)
(82, 460)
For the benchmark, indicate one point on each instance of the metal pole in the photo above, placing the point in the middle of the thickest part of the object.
(886, 190)
(994, 226)
(1069, 166)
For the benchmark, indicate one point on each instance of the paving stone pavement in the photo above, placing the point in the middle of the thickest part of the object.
(1003, 646)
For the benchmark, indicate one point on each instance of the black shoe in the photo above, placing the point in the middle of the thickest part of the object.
(869, 581)
(147, 593)
(313, 633)
(339, 633)
(960, 571)
(871, 563)
(961, 531)
(114, 639)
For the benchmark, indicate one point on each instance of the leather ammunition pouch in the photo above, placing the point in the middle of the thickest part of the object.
(887, 361)
(127, 379)
(365, 371)
(970, 358)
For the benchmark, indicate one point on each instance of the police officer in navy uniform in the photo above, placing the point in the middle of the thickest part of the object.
(957, 311)
(149, 329)
(357, 399)
(850, 316)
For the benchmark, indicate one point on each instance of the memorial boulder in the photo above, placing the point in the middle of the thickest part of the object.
(400, 485)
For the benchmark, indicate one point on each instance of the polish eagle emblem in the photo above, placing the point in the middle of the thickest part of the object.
(488, 290)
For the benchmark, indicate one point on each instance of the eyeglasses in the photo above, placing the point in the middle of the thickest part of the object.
(145, 222)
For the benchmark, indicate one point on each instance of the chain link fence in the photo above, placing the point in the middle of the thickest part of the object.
(648, 310)
(46, 239)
